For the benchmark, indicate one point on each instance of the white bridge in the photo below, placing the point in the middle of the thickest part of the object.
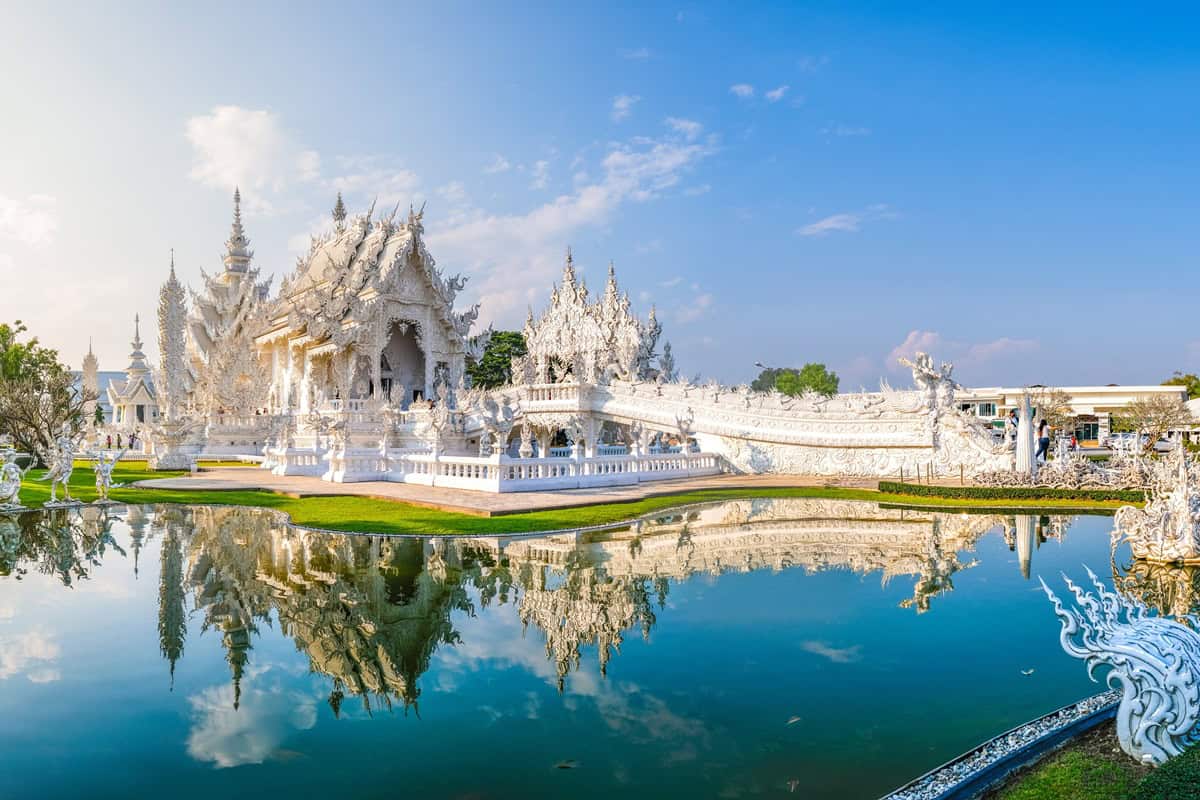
(567, 435)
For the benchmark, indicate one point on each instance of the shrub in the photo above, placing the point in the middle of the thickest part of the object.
(1178, 779)
(1009, 492)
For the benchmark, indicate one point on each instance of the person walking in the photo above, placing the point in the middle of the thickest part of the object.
(108, 442)
(1013, 424)
(1043, 448)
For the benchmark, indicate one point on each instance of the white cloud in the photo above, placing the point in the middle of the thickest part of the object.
(541, 175)
(811, 63)
(696, 191)
(849, 222)
(776, 94)
(743, 90)
(235, 146)
(622, 106)
(499, 164)
(838, 655)
(252, 733)
(694, 309)
(453, 192)
(33, 654)
(31, 221)
(961, 353)
(369, 178)
(514, 257)
(846, 223)
(636, 54)
(689, 128)
(671, 283)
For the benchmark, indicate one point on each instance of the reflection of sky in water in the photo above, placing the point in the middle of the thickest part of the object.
(742, 653)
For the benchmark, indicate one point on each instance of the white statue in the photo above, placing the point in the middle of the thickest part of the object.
(1154, 661)
(103, 465)
(1168, 528)
(10, 481)
(62, 463)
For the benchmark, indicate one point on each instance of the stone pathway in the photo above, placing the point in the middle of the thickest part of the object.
(483, 504)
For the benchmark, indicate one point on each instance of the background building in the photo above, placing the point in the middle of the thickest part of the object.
(1093, 406)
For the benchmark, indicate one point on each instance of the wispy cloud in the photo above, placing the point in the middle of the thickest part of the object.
(248, 148)
(622, 106)
(742, 90)
(839, 129)
(961, 353)
(637, 54)
(541, 175)
(514, 256)
(32, 221)
(811, 63)
(497, 165)
(845, 223)
(849, 222)
(777, 94)
(838, 655)
(688, 127)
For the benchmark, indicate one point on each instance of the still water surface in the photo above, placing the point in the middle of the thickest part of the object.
(748, 648)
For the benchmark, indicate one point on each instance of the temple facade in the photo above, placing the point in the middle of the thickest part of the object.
(356, 370)
(365, 314)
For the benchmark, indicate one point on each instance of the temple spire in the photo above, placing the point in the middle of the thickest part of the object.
(339, 213)
(237, 248)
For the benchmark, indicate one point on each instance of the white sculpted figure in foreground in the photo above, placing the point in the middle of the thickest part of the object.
(1168, 528)
(1154, 661)
(10, 481)
(103, 464)
(62, 463)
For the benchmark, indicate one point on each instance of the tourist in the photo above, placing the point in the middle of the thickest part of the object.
(1074, 444)
(108, 442)
(1013, 424)
(1043, 447)
(118, 441)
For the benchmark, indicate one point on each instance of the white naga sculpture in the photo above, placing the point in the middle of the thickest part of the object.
(1168, 528)
(62, 463)
(1154, 661)
(10, 480)
(103, 464)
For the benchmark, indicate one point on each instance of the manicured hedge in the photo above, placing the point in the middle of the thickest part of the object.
(1178, 779)
(1009, 492)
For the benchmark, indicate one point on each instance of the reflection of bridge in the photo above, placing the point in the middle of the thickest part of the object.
(369, 612)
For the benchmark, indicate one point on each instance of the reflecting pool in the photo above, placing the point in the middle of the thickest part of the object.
(833, 649)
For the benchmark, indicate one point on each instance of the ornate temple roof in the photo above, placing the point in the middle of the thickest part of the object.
(361, 261)
(599, 335)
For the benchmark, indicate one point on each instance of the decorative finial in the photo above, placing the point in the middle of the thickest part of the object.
(339, 213)
(90, 346)
(137, 328)
(172, 262)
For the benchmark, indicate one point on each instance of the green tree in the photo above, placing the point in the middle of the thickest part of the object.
(1189, 380)
(37, 392)
(494, 368)
(765, 381)
(20, 360)
(811, 377)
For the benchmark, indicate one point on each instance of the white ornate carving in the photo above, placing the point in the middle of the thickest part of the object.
(1168, 528)
(1154, 661)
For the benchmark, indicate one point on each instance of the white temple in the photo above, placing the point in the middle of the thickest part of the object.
(356, 370)
(134, 401)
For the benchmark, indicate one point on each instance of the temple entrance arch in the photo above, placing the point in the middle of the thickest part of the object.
(402, 360)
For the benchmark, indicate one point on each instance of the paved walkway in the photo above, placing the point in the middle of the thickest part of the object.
(484, 504)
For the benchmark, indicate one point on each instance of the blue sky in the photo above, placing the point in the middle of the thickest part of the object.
(1008, 187)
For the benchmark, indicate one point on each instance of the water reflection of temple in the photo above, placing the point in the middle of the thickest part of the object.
(369, 612)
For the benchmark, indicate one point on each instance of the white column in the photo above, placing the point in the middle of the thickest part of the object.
(1024, 437)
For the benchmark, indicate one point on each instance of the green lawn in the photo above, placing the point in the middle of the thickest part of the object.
(364, 514)
(1093, 767)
